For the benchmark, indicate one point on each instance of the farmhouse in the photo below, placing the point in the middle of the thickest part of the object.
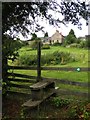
(55, 38)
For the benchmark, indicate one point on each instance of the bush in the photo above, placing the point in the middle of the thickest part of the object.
(60, 102)
(46, 46)
(82, 44)
(34, 44)
(62, 57)
(46, 59)
(57, 44)
(75, 45)
(25, 59)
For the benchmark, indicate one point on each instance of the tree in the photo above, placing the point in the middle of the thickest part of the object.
(15, 15)
(35, 40)
(46, 34)
(71, 38)
(22, 16)
(9, 52)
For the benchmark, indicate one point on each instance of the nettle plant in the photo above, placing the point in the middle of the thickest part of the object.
(59, 102)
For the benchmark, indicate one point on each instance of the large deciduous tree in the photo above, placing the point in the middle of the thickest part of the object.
(71, 38)
(18, 15)
(22, 17)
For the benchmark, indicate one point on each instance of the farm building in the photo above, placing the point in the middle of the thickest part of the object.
(55, 38)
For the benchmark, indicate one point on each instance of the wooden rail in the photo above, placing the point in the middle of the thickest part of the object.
(63, 81)
(82, 69)
(21, 75)
(21, 80)
(33, 79)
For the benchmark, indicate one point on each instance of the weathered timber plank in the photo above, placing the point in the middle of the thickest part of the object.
(21, 75)
(50, 68)
(21, 80)
(82, 69)
(71, 92)
(22, 67)
(33, 103)
(19, 86)
(40, 85)
(19, 93)
(63, 81)
(39, 62)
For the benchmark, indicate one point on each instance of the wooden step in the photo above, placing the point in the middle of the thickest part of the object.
(41, 85)
(33, 103)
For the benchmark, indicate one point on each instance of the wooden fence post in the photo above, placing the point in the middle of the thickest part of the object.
(39, 62)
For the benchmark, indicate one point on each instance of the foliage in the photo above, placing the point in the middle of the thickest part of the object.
(71, 38)
(34, 41)
(88, 43)
(25, 43)
(57, 44)
(15, 15)
(46, 34)
(46, 46)
(58, 102)
(10, 47)
(34, 36)
(18, 16)
(26, 59)
(75, 45)
(78, 40)
(79, 112)
(34, 44)
(51, 58)
(62, 57)
(9, 52)
(82, 44)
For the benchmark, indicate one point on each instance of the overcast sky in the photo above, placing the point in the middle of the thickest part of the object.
(63, 29)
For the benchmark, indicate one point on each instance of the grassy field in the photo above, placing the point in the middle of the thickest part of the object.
(81, 55)
(78, 101)
(82, 61)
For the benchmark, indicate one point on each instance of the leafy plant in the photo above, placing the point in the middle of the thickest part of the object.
(46, 46)
(60, 102)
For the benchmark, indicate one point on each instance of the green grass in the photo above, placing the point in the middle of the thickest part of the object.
(81, 56)
(73, 76)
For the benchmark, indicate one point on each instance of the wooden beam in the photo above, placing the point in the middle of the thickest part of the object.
(22, 67)
(21, 75)
(21, 80)
(39, 62)
(82, 69)
(69, 82)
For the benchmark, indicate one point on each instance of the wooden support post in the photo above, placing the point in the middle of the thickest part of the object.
(39, 62)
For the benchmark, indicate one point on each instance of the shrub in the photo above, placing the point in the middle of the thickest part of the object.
(60, 102)
(82, 44)
(34, 44)
(46, 59)
(46, 46)
(27, 60)
(75, 45)
(62, 57)
(57, 44)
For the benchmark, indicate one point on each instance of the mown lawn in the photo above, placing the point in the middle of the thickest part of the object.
(76, 107)
(80, 54)
(82, 61)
